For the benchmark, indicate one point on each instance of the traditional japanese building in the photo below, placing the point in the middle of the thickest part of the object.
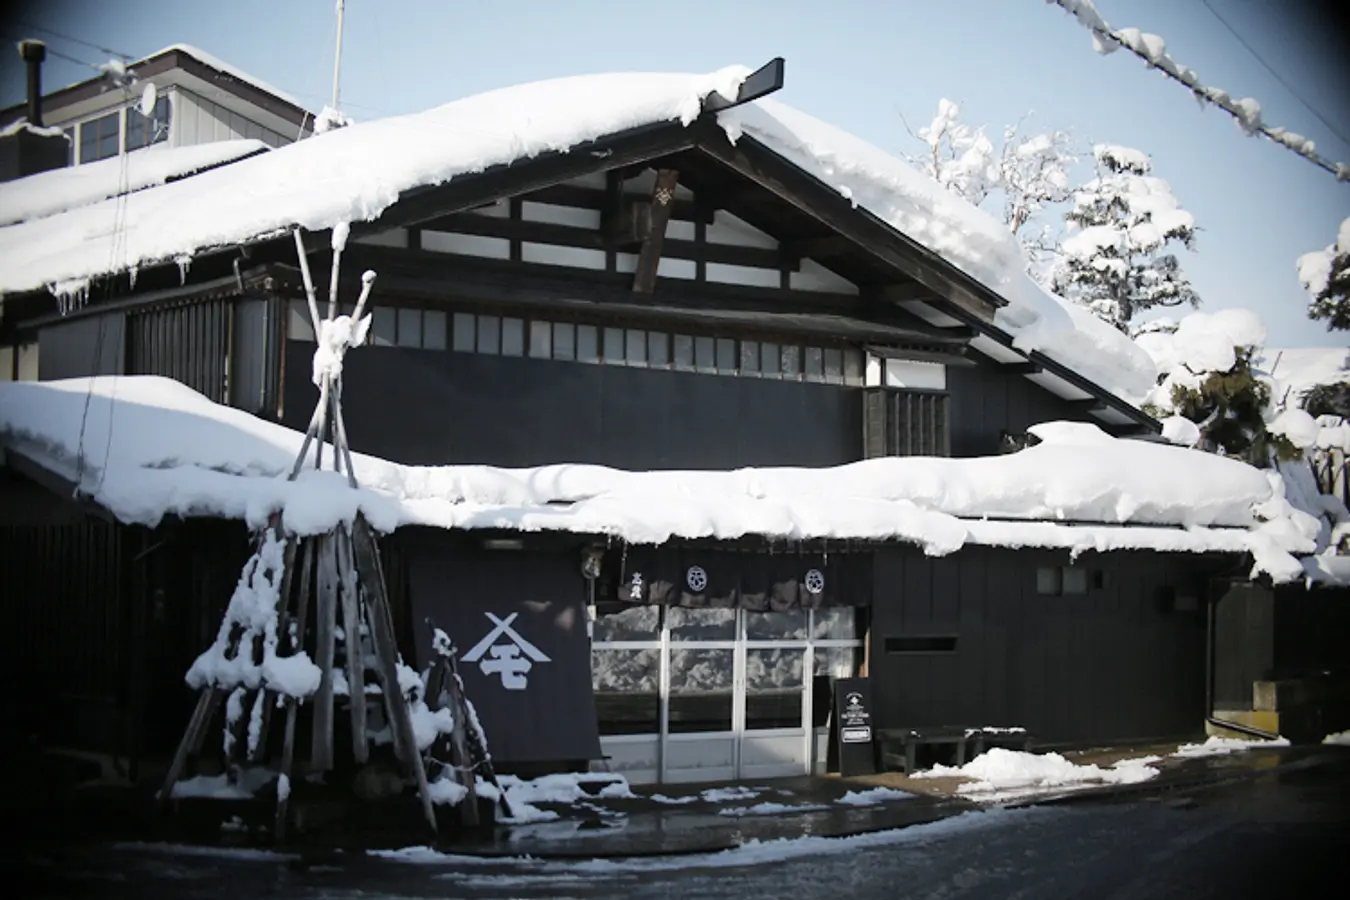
(670, 276)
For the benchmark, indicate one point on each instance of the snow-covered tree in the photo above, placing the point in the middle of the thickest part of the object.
(1325, 274)
(1030, 172)
(1116, 260)
(959, 157)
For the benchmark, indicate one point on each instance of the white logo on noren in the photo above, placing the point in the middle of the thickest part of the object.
(814, 581)
(696, 578)
(506, 659)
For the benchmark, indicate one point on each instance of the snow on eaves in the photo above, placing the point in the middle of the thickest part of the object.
(330, 178)
(48, 193)
(345, 175)
(173, 452)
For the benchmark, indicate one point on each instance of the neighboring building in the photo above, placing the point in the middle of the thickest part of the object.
(592, 271)
(200, 100)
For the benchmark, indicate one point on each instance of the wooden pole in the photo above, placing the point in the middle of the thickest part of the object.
(309, 283)
(351, 628)
(321, 752)
(288, 741)
(207, 702)
(340, 448)
(386, 652)
(316, 424)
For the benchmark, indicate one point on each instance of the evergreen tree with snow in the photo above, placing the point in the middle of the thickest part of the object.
(1117, 260)
(1325, 274)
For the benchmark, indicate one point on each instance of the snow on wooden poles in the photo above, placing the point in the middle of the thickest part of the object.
(268, 654)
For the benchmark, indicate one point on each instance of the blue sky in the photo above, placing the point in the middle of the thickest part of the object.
(861, 64)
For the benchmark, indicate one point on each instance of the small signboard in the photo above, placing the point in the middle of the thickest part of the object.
(853, 726)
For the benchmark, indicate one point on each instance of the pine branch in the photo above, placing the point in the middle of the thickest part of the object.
(1151, 49)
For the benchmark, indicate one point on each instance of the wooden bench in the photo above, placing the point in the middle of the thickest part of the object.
(899, 746)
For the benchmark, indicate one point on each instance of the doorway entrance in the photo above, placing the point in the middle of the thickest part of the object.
(702, 694)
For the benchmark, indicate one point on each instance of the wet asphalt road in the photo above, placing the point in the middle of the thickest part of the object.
(1284, 835)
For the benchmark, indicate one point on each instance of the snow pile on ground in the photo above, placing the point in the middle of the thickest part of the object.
(329, 179)
(48, 193)
(153, 447)
(563, 789)
(873, 797)
(970, 238)
(1221, 746)
(726, 794)
(218, 787)
(998, 771)
(1340, 738)
(771, 809)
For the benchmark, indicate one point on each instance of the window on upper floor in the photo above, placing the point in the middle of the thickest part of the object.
(905, 423)
(143, 131)
(100, 138)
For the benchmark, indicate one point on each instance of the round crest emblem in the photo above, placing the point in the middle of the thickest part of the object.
(814, 581)
(696, 578)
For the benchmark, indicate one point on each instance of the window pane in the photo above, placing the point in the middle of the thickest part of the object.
(613, 351)
(834, 365)
(749, 357)
(382, 326)
(815, 364)
(513, 337)
(658, 349)
(489, 334)
(410, 328)
(726, 356)
(298, 324)
(789, 625)
(541, 340)
(791, 362)
(564, 340)
(1075, 580)
(684, 352)
(627, 690)
(769, 361)
(773, 687)
(635, 347)
(853, 366)
(700, 690)
(835, 623)
(625, 622)
(704, 350)
(1047, 580)
(433, 329)
(701, 624)
(588, 344)
(831, 662)
(464, 340)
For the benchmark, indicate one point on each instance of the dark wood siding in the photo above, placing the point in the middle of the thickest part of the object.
(189, 342)
(1116, 663)
(83, 346)
(428, 407)
(985, 403)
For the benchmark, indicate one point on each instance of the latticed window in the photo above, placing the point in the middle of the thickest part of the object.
(905, 423)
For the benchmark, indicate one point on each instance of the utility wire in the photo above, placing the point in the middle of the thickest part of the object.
(67, 37)
(1278, 77)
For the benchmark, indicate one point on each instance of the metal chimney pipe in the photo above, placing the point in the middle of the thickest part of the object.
(33, 53)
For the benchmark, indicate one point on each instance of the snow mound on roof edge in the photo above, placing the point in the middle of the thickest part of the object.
(172, 451)
(977, 243)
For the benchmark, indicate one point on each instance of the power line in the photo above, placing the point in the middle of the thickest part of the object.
(1278, 77)
(67, 37)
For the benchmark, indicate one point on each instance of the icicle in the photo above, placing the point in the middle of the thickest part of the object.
(132, 273)
(71, 294)
(184, 263)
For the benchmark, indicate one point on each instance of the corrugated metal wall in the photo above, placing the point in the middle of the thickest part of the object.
(197, 120)
(189, 342)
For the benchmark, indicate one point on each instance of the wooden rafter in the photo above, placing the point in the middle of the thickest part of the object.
(663, 199)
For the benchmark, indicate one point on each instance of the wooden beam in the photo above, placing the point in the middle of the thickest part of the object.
(759, 164)
(610, 197)
(904, 292)
(1090, 404)
(663, 196)
(1021, 368)
(759, 83)
(826, 245)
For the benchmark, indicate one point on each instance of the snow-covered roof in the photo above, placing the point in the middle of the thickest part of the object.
(355, 173)
(22, 124)
(221, 66)
(172, 451)
(48, 193)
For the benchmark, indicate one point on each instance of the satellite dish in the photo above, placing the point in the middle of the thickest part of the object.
(148, 98)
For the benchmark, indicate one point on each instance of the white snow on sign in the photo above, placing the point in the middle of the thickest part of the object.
(48, 193)
(153, 447)
(355, 173)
